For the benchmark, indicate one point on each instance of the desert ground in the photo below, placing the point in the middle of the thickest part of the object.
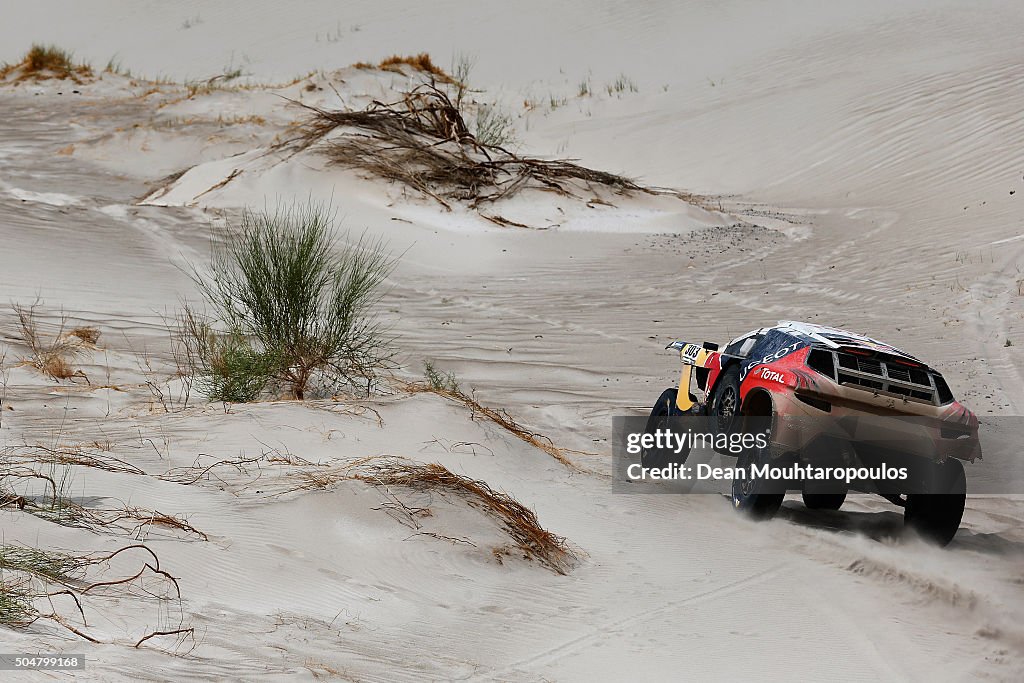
(855, 164)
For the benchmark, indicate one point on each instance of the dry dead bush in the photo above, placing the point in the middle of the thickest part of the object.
(46, 61)
(519, 521)
(53, 505)
(424, 142)
(420, 62)
(81, 455)
(87, 335)
(51, 355)
(248, 469)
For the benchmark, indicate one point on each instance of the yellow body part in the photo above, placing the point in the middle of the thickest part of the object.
(690, 355)
(683, 401)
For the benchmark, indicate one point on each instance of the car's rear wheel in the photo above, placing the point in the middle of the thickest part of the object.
(936, 516)
(664, 409)
(824, 501)
(756, 496)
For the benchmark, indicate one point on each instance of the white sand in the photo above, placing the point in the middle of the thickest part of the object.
(875, 143)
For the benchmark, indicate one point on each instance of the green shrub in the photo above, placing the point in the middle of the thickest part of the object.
(291, 305)
(227, 367)
(50, 565)
(440, 381)
(493, 127)
(15, 605)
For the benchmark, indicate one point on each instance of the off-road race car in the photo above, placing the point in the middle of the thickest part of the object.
(823, 392)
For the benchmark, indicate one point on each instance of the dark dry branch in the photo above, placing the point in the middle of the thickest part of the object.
(182, 632)
(190, 475)
(424, 142)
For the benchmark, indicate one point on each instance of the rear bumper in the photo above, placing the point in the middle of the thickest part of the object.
(876, 426)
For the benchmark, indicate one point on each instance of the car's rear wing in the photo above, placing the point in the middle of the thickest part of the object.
(690, 355)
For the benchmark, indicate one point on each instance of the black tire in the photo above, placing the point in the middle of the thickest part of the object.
(758, 498)
(724, 405)
(824, 501)
(664, 408)
(936, 516)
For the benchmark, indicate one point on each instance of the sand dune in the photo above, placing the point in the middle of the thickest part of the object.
(856, 165)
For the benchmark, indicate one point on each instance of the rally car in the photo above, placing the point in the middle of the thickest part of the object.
(821, 390)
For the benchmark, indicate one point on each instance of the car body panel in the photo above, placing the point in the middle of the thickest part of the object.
(774, 363)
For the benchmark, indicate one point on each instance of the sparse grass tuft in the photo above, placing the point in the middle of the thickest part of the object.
(50, 356)
(114, 67)
(621, 85)
(48, 58)
(218, 82)
(47, 61)
(50, 565)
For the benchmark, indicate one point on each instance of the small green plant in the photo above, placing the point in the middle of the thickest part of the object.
(50, 565)
(584, 88)
(15, 605)
(493, 127)
(442, 382)
(1008, 343)
(290, 305)
(225, 365)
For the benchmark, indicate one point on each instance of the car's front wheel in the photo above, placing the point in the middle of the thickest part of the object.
(664, 408)
(724, 402)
